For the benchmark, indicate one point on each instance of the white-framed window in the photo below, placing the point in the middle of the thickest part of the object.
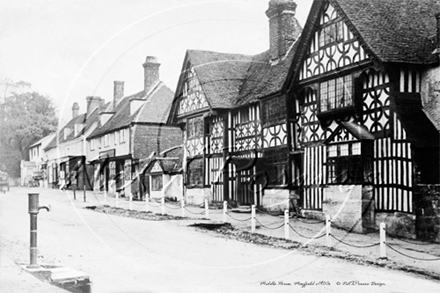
(122, 135)
(106, 140)
(156, 182)
(92, 144)
(116, 137)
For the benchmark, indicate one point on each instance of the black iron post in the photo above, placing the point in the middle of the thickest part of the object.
(33, 212)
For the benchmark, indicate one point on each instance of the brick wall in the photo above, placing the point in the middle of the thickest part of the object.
(154, 138)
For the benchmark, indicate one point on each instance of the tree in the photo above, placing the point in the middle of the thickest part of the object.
(25, 116)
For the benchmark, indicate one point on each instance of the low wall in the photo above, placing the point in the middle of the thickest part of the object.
(276, 199)
(195, 196)
(398, 224)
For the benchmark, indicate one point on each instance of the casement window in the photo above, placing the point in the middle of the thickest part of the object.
(194, 127)
(331, 33)
(92, 144)
(195, 173)
(156, 183)
(116, 137)
(276, 166)
(112, 169)
(122, 135)
(336, 93)
(345, 164)
(106, 142)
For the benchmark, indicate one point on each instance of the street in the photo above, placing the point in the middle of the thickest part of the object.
(129, 255)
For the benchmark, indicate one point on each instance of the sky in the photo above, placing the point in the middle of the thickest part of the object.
(71, 49)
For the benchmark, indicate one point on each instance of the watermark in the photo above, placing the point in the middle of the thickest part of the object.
(305, 284)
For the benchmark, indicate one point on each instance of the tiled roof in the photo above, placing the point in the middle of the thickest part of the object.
(220, 75)
(233, 80)
(154, 110)
(157, 107)
(264, 79)
(395, 30)
(82, 119)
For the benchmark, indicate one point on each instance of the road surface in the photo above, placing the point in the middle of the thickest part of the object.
(128, 255)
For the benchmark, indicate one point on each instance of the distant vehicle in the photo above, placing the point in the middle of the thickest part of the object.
(35, 181)
(4, 181)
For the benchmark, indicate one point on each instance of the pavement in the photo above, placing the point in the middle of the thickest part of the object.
(13, 278)
(416, 255)
(405, 254)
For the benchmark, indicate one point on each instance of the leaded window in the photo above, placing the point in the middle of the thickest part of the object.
(344, 164)
(156, 183)
(336, 93)
(331, 33)
(276, 166)
(195, 173)
(195, 127)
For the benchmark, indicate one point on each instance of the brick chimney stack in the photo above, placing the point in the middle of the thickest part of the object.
(284, 28)
(151, 73)
(437, 50)
(92, 103)
(75, 110)
(118, 92)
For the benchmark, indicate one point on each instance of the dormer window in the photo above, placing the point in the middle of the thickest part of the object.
(336, 93)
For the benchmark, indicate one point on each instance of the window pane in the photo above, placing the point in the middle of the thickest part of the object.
(343, 149)
(336, 93)
(156, 182)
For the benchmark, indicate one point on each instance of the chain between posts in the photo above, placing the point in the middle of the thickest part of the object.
(383, 233)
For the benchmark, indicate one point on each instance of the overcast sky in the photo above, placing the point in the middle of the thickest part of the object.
(70, 49)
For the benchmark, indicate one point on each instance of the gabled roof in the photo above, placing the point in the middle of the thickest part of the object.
(82, 119)
(233, 80)
(41, 140)
(220, 75)
(157, 107)
(389, 30)
(170, 163)
(395, 30)
(155, 110)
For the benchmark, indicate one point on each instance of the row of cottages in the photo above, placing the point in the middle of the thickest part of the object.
(132, 150)
(343, 115)
(121, 147)
(66, 152)
(37, 164)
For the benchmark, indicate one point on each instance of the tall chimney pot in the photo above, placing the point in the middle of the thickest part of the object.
(284, 28)
(75, 110)
(93, 102)
(151, 73)
(118, 92)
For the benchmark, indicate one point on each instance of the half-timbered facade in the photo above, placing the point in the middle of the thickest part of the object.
(235, 119)
(362, 139)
